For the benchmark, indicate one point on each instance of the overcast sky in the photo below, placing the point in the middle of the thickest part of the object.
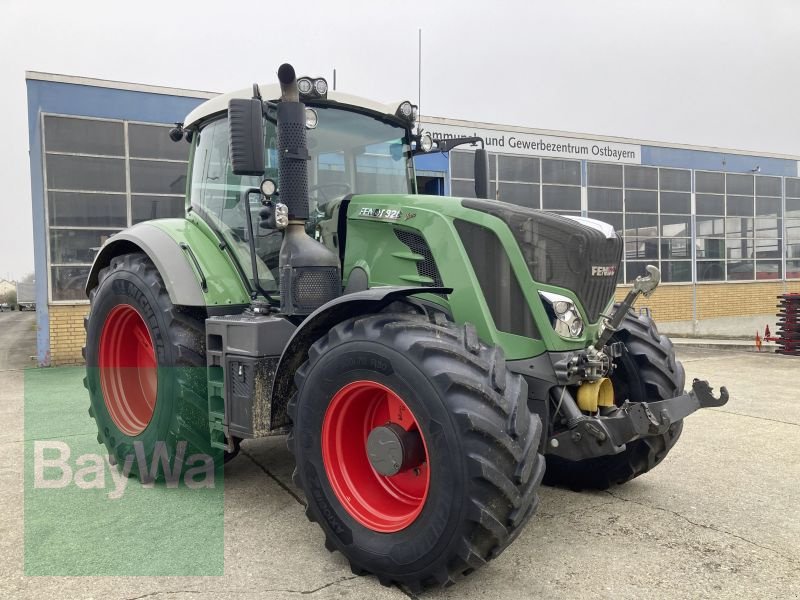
(718, 73)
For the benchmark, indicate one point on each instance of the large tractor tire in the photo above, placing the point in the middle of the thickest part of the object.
(146, 372)
(415, 448)
(647, 371)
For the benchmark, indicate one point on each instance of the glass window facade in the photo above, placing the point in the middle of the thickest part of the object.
(739, 226)
(100, 177)
(734, 227)
(792, 228)
(551, 184)
(651, 209)
(103, 175)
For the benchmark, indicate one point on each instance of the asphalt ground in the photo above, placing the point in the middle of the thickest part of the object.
(718, 519)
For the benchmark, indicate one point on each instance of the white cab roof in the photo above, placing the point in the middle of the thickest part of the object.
(272, 91)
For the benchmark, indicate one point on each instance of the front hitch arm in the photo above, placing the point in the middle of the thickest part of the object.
(608, 434)
(642, 286)
(655, 418)
(705, 396)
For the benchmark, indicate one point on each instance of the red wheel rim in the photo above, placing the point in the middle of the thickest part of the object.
(381, 503)
(128, 369)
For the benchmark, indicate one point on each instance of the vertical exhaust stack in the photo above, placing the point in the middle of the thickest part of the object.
(292, 146)
(309, 272)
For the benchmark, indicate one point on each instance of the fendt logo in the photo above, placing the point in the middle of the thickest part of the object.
(604, 271)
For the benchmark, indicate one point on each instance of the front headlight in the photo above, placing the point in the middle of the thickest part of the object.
(321, 87)
(425, 142)
(407, 111)
(576, 327)
(564, 315)
(305, 85)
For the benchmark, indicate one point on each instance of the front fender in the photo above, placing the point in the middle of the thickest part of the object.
(184, 256)
(319, 322)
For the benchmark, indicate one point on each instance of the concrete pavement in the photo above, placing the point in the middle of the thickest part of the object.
(718, 519)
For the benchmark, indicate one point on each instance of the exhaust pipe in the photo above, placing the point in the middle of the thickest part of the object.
(292, 146)
(310, 273)
(288, 81)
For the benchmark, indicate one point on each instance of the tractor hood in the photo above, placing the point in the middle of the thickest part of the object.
(578, 254)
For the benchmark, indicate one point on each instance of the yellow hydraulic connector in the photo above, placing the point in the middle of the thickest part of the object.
(592, 394)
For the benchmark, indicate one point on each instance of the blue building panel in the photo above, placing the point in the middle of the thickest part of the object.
(705, 160)
(106, 103)
(39, 230)
(434, 161)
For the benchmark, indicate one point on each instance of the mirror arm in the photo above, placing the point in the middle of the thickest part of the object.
(447, 145)
(481, 169)
(251, 241)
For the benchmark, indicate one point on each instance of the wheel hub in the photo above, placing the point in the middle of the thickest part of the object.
(392, 449)
(375, 457)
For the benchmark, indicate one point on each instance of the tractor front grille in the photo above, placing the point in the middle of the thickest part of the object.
(562, 252)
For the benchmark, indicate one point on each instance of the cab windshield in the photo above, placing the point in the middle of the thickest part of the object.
(351, 153)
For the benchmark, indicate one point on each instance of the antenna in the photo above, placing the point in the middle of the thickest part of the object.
(334, 79)
(419, 75)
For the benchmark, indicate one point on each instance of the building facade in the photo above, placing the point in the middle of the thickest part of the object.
(100, 161)
(723, 226)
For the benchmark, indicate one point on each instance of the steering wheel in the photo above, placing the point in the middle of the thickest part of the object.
(343, 187)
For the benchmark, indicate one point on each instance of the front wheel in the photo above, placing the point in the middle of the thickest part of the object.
(415, 448)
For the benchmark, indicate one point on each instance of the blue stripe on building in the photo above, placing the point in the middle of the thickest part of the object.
(704, 160)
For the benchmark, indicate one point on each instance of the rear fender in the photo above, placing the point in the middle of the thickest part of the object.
(319, 322)
(195, 271)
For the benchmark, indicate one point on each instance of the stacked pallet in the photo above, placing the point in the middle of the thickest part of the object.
(789, 324)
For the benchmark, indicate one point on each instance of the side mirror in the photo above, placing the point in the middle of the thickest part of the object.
(246, 130)
(481, 173)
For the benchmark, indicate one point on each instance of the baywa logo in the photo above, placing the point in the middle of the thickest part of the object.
(603, 271)
(52, 468)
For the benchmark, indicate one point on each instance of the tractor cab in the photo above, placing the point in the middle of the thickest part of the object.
(355, 146)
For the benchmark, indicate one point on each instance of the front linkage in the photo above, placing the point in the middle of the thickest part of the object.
(608, 432)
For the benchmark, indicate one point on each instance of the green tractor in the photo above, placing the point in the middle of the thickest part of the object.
(428, 357)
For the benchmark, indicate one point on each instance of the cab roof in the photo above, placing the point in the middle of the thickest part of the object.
(272, 91)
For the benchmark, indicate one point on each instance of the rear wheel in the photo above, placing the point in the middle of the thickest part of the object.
(415, 448)
(146, 372)
(647, 371)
